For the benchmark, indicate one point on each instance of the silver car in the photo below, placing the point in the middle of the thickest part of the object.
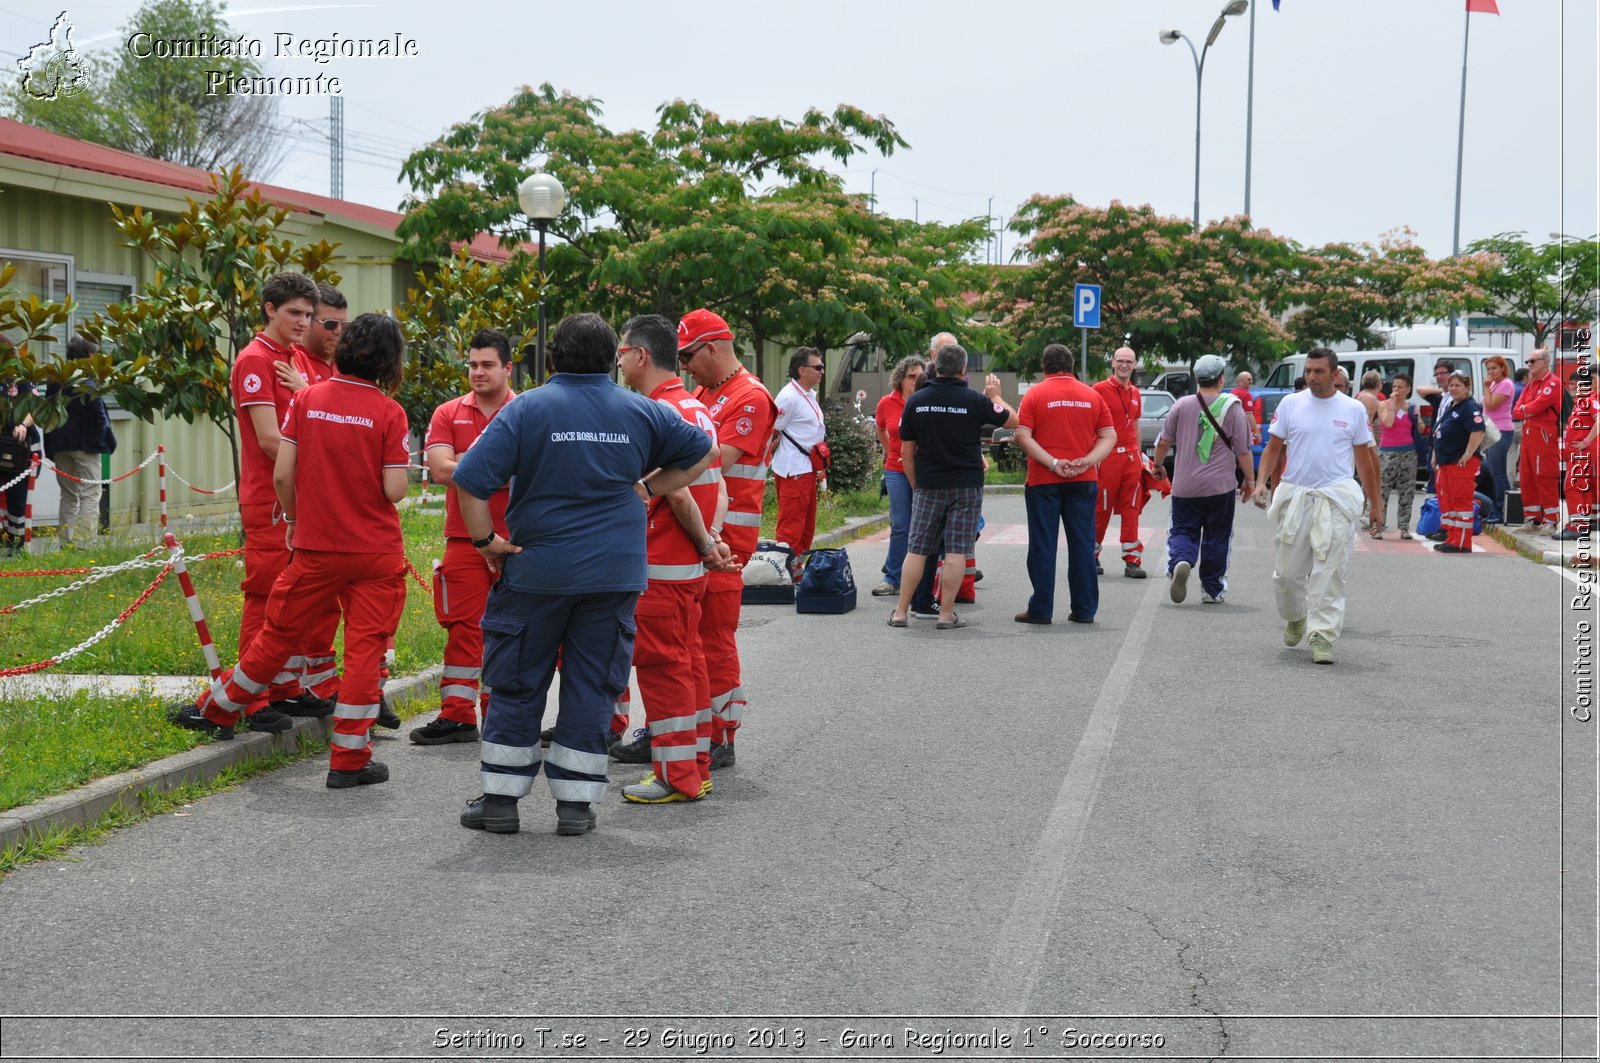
(1153, 414)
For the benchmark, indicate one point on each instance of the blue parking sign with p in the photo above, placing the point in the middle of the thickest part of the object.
(1086, 306)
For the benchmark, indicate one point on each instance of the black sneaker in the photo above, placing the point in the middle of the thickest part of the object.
(270, 720)
(1099, 569)
(306, 704)
(574, 817)
(634, 752)
(977, 575)
(442, 731)
(548, 735)
(721, 755)
(495, 813)
(1134, 572)
(387, 717)
(375, 772)
(188, 716)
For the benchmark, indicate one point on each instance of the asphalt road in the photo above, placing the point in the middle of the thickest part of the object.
(1162, 827)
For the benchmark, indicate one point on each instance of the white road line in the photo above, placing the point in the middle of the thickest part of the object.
(1025, 936)
(1568, 573)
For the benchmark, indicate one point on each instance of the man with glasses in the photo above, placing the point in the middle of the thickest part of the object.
(743, 411)
(797, 434)
(1121, 473)
(313, 359)
(1539, 410)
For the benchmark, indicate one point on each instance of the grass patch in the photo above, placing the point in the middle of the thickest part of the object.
(50, 748)
(996, 475)
(833, 508)
(160, 638)
(53, 843)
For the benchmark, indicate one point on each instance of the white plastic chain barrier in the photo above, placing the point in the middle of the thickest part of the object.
(98, 636)
(199, 490)
(85, 480)
(142, 561)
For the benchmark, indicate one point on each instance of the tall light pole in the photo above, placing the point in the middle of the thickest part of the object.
(1249, 111)
(1172, 36)
(542, 198)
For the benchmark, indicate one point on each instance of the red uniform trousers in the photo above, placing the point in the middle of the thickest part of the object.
(1120, 479)
(969, 582)
(375, 589)
(719, 625)
(1540, 475)
(797, 510)
(1580, 486)
(1455, 484)
(461, 585)
(321, 676)
(677, 708)
(265, 557)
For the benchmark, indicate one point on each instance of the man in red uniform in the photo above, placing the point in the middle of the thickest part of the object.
(1252, 405)
(1121, 473)
(743, 411)
(680, 546)
(342, 451)
(312, 363)
(261, 401)
(1539, 410)
(462, 580)
(1583, 427)
(1066, 430)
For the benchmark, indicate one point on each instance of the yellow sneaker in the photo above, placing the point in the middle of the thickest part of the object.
(653, 791)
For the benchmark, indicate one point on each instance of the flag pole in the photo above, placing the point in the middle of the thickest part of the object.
(1461, 142)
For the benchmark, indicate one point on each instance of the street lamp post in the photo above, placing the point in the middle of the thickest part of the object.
(1172, 36)
(542, 198)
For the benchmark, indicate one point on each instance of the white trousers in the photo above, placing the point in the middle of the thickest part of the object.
(1307, 587)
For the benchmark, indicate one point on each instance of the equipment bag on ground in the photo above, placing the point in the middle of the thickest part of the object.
(766, 575)
(1428, 519)
(828, 585)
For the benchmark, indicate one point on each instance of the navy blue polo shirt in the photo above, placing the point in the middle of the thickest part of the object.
(571, 451)
(945, 420)
(1455, 427)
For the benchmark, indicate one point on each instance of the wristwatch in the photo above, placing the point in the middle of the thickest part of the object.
(485, 541)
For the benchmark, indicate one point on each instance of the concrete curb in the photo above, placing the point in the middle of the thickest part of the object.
(1540, 548)
(851, 530)
(1003, 489)
(203, 763)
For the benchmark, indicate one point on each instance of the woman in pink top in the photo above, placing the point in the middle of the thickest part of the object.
(902, 382)
(1497, 394)
(1397, 450)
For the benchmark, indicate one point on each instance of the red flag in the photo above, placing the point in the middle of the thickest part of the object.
(1486, 7)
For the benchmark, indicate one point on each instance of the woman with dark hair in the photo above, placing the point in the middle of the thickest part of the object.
(902, 382)
(1397, 453)
(344, 450)
(1456, 438)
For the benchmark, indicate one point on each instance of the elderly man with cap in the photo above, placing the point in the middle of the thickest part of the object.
(743, 412)
(1209, 434)
(1121, 473)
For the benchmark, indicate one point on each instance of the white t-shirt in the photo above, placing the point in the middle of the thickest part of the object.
(801, 417)
(1321, 435)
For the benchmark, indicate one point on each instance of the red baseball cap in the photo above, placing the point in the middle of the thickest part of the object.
(701, 325)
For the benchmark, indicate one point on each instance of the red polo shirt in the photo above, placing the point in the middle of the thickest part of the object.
(347, 432)
(254, 382)
(457, 424)
(308, 365)
(1065, 416)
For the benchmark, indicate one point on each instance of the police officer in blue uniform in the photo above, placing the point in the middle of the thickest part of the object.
(583, 456)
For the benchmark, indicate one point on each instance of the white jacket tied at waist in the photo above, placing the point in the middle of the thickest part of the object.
(1291, 501)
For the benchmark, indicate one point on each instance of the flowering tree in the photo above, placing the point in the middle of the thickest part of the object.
(1170, 292)
(1537, 288)
(701, 211)
(1343, 290)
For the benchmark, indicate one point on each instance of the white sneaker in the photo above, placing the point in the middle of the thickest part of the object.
(1208, 600)
(1180, 582)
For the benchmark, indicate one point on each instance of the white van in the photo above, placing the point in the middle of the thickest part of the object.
(1415, 362)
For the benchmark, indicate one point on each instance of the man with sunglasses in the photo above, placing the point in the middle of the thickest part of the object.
(313, 358)
(743, 411)
(1539, 410)
(797, 434)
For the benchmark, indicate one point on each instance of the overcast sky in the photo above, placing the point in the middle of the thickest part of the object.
(1356, 101)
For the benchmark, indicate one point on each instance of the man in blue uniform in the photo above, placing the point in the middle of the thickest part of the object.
(583, 458)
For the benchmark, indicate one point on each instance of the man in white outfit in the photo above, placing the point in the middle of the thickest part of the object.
(797, 433)
(1317, 503)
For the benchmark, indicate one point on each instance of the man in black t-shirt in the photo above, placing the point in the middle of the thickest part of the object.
(942, 448)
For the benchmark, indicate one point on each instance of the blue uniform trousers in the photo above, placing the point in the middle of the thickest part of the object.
(1201, 533)
(522, 633)
(1070, 505)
